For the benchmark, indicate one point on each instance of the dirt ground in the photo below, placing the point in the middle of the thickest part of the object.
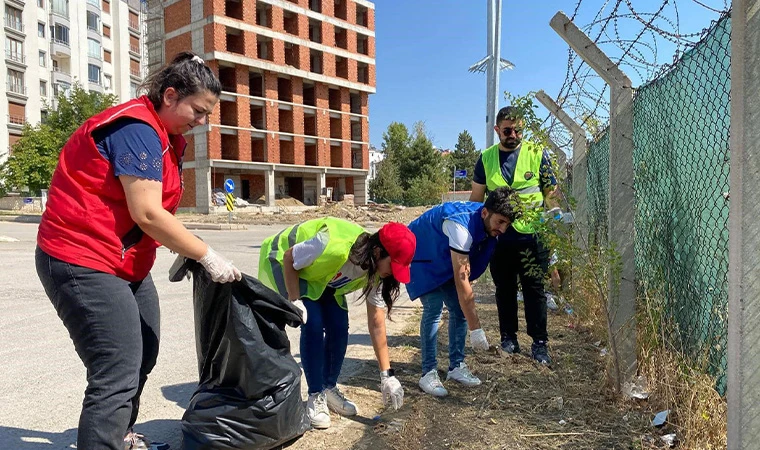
(360, 214)
(519, 405)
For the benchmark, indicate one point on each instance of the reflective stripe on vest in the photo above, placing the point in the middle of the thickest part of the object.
(313, 279)
(526, 180)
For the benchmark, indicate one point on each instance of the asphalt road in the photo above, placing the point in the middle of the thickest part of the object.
(42, 380)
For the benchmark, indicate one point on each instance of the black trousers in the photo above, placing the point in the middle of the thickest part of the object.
(520, 255)
(114, 325)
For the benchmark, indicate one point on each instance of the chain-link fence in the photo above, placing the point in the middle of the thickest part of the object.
(681, 161)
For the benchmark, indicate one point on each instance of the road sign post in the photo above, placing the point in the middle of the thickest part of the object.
(229, 186)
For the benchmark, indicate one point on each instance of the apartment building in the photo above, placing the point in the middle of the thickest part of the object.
(50, 44)
(293, 116)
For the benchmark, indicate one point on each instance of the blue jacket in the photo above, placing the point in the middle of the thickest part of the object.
(432, 265)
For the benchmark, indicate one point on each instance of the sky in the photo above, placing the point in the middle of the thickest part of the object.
(424, 48)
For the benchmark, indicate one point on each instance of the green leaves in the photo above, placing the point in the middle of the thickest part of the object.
(34, 157)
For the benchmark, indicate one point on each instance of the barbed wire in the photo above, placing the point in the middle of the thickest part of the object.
(633, 36)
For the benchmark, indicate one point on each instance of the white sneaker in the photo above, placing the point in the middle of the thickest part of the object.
(338, 403)
(316, 407)
(431, 384)
(550, 302)
(463, 375)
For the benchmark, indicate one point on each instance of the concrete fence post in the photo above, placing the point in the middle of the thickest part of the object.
(620, 209)
(743, 233)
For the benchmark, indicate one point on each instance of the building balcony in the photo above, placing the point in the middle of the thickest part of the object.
(95, 86)
(60, 49)
(94, 33)
(135, 73)
(16, 90)
(93, 6)
(134, 50)
(15, 59)
(14, 27)
(60, 16)
(61, 75)
(16, 122)
(134, 26)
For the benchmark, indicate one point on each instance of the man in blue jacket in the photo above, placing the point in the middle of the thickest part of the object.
(455, 242)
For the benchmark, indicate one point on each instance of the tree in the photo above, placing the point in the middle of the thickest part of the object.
(421, 159)
(396, 140)
(35, 155)
(385, 187)
(424, 191)
(464, 157)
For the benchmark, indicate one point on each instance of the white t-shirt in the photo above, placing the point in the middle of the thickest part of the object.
(306, 252)
(460, 239)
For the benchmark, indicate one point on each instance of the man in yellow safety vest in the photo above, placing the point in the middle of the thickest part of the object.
(526, 167)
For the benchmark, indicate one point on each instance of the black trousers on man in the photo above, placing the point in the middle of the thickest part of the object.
(520, 255)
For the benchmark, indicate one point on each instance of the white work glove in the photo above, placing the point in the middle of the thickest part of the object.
(392, 391)
(478, 340)
(298, 303)
(220, 269)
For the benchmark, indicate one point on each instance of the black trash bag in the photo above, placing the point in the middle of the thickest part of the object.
(249, 393)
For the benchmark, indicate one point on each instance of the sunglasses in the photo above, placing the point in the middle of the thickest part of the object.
(508, 130)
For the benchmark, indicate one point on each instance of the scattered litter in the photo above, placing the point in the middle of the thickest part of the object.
(636, 388)
(7, 239)
(597, 343)
(603, 352)
(376, 418)
(563, 422)
(569, 309)
(660, 419)
(669, 439)
(493, 421)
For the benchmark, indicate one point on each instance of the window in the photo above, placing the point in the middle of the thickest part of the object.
(93, 73)
(106, 31)
(106, 56)
(107, 81)
(13, 18)
(43, 59)
(41, 3)
(93, 48)
(60, 34)
(93, 21)
(43, 88)
(14, 50)
(61, 88)
(94, 2)
(15, 80)
(60, 7)
(133, 90)
(40, 29)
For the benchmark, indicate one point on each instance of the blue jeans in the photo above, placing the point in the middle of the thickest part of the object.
(324, 339)
(114, 325)
(432, 308)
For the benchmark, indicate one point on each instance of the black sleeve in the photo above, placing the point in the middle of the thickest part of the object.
(479, 175)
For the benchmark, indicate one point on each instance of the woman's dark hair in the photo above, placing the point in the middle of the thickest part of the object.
(187, 74)
(362, 254)
(504, 201)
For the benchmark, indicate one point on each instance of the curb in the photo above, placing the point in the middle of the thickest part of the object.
(214, 226)
(21, 218)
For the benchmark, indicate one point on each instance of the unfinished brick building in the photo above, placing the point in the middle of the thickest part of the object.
(293, 115)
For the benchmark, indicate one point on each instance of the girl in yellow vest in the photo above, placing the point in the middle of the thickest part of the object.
(315, 264)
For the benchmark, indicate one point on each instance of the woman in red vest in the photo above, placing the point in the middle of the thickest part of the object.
(111, 203)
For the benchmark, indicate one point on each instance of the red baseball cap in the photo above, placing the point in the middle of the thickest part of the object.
(400, 243)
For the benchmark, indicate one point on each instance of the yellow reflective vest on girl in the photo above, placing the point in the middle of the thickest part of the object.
(314, 278)
(526, 181)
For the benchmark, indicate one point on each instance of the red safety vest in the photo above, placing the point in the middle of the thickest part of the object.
(86, 221)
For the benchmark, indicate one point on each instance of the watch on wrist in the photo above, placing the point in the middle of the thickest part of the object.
(387, 373)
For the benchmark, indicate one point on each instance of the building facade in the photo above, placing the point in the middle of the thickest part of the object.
(51, 44)
(293, 116)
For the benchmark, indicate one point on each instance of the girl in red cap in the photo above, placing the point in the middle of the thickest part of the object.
(320, 261)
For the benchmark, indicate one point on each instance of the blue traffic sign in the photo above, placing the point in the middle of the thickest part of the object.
(229, 185)
(460, 174)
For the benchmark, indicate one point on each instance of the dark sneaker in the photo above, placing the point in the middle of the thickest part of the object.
(510, 346)
(541, 353)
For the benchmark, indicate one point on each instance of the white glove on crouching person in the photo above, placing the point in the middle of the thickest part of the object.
(391, 388)
(478, 340)
(220, 269)
(298, 303)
